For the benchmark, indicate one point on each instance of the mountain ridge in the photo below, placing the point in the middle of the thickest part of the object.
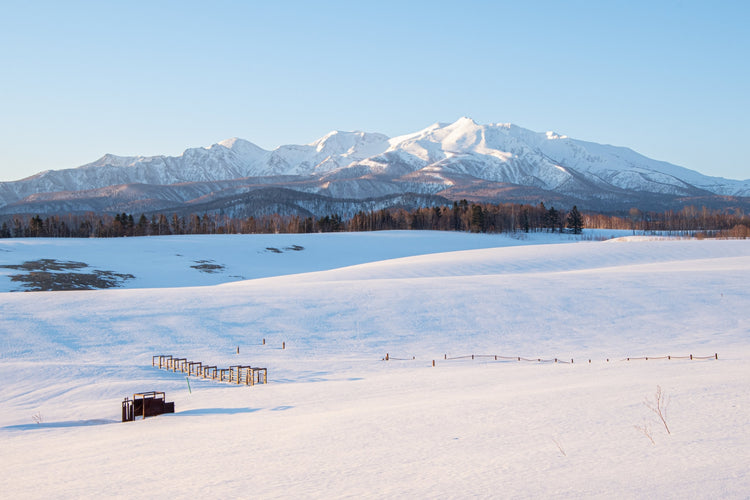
(358, 165)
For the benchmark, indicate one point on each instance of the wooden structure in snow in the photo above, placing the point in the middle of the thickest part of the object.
(236, 374)
(145, 404)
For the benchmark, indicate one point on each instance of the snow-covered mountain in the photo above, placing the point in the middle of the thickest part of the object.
(461, 159)
(504, 152)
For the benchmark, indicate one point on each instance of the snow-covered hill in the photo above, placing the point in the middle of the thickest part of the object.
(442, 157)
(336, 421)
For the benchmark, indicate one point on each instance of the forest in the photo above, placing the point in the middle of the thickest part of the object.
(460, 216)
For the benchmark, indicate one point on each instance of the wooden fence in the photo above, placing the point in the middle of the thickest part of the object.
(498, 357)
(236, 374)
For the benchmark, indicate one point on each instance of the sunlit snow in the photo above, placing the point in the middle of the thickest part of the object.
(336, 420)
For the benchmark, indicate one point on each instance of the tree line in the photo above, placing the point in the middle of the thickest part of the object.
(460, 216)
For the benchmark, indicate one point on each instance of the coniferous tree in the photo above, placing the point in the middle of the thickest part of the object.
(552, 219)
(142, 227)
(575, 220)
(477, 219)
(36, 226)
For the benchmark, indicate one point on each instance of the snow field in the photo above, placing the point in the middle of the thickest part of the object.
(336, 421)
(470, 430)
(166, 261)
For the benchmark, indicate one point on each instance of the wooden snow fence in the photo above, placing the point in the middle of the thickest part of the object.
(236, 374)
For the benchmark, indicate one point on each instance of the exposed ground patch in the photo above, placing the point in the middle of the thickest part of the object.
(293, 248)
(46, 275)
(208, 266)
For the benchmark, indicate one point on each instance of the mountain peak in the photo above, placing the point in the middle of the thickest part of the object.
(229, 143)
(247, 152)
(465, 121)
(339, 142)
(554, 135)
(331, 137)
(111, 160)
(235, 143)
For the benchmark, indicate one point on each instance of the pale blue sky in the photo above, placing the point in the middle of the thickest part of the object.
(668, 79)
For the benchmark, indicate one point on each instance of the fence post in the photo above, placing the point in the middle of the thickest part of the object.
(283, 345)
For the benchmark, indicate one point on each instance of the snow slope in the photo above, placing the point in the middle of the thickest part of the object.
(175, 261)
(337, 421)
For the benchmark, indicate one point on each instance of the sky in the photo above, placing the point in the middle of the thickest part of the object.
(669, 79)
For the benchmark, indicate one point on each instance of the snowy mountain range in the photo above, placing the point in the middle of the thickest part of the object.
(495, 162)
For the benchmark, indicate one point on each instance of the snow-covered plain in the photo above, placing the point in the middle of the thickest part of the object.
(338, 421)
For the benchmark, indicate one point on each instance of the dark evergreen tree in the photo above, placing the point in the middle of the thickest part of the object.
(142, 227)
(477, 219)
(36, 226)
(552, 219)
(455, 222)
(18, 228)
(575, 220)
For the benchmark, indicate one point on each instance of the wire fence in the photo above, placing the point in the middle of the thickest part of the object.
(689, 356)
(498, 357)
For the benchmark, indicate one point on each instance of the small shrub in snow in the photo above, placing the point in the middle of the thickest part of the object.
(559, 447)
(646, 430)
(659, 406)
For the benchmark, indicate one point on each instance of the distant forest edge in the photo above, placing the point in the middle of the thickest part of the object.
(460, 216)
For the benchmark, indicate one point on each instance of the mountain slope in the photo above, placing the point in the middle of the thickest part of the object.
(449, 157)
